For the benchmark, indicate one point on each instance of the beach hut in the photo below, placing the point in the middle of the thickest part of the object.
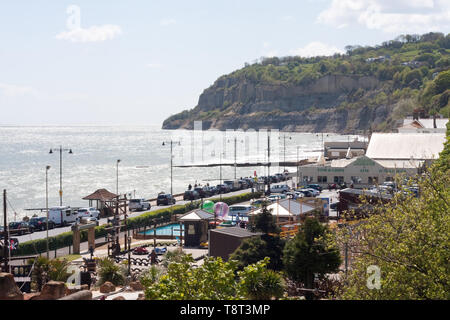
(196, 227)
(105, 201)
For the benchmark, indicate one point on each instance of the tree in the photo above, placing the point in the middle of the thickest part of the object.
(310, 253)
(215, 280)
(110, 271)
(255, 249)
(264, 221)
(408, 240)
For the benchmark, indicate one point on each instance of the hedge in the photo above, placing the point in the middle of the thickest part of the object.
(147, 219)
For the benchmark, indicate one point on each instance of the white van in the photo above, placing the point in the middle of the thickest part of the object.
(62, 216)
(241, 210)
(279, 188)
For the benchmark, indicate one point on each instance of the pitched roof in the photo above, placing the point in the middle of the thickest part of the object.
(286, 208)
(102, 195)
(237, 232)
(197, 215)
(415, 146)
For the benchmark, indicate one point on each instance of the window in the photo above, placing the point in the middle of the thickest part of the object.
(373, 180)
(307, 179)
(338, 179)
(356, 179)
(322, 179)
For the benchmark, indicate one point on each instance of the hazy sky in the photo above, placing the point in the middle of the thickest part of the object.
(139, 61)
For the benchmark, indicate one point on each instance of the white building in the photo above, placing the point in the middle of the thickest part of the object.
(388, 154)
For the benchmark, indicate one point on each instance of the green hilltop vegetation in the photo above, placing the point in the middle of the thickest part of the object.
(367, 88)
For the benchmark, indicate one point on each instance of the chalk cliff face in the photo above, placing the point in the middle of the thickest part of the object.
(233, 103)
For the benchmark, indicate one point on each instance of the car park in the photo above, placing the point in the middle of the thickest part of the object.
(40, 223)
(165, 199)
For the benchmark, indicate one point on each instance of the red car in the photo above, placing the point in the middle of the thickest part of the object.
(140, 250)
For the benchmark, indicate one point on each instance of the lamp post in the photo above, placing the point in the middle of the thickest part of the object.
(117, 176)
(171, 162)
(284, 150)
(46, 202)
(61, 150)
(235, 154)
(298, 182)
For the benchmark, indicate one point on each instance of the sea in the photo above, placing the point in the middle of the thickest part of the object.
(145, 163)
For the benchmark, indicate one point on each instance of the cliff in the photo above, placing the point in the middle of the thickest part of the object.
(344, 93)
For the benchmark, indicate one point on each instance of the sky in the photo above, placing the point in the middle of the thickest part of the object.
(125, 62)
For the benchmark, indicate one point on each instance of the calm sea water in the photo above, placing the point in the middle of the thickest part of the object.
(144, 169)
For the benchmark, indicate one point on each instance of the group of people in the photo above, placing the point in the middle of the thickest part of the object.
(196, 185)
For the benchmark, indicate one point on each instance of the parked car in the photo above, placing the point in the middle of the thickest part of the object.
(306, 192)
(140, 250)
(40, 223)
(258, 202)
(139, 205)
(212, 190)
(160, 251)
(274, 197)
(234, 185)
(279, 188)
(295, 194)
(202, 192)
(281, 176)
(223, 188)
(191, 195)
(88, 212)
(315, 186)
(20, 228)
(243, 184)
(165, 199)
(86, 220)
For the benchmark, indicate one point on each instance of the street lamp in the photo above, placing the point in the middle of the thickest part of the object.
(171, 162)
(117, 177)
(235, 163)
(284, 138)
(46, 201)
(61, 150)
